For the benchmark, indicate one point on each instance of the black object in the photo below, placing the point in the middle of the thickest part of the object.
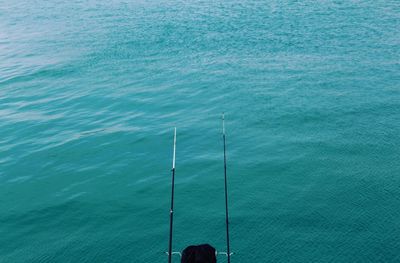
(199, 254)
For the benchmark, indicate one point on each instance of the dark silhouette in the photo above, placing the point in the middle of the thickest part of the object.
(199, 254)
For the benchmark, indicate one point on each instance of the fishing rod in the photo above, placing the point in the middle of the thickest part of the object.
(170, 253)
(228, 251)
(171, 212)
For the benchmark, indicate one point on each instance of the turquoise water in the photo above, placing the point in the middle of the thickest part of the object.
(90, 92)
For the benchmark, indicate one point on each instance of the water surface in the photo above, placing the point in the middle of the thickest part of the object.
(90, 92)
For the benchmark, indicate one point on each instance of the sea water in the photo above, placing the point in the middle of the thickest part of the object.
(90, 92)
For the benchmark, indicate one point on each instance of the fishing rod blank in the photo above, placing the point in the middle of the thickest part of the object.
(171, 212)
(228, 252)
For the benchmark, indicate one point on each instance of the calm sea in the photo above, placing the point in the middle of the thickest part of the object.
(90, 92)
